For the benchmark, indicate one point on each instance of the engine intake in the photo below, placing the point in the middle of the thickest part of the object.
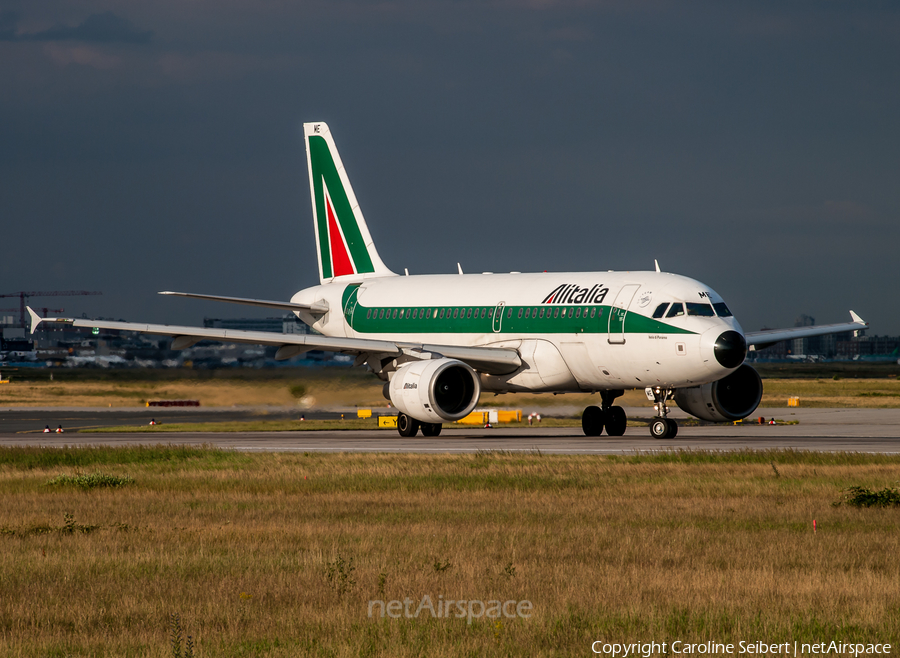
(436, 390)
(733, 397)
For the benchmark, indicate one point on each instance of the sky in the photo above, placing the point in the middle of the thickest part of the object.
(158, 146)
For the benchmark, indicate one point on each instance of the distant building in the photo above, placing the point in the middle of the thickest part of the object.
(287, 324)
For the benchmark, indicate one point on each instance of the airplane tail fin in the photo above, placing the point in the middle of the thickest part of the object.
(343, 243)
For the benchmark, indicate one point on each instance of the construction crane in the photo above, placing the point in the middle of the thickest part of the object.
(43, 309)
(24, 295)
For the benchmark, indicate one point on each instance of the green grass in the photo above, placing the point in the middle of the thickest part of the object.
(278, 555)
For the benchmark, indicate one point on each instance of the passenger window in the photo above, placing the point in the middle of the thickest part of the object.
(542, 314)
(483, 312)
(469, 314)
(521, 311)
(509, 312)
(722, 310)
(428, 315)
(700, 310)
(677, 310)
(369, 314)
(490, 312)
(455, 313)
(395, 314)
(660, 310)
(527, 311)
(534, 313)
(578, 312)
(442, 314)
(563, 314)
(381, 314)
(593, 311)
(415, 313)
(556, 313)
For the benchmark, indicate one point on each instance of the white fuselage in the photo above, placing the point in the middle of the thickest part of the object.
(583, 331)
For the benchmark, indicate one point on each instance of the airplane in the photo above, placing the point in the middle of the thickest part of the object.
(439, 341)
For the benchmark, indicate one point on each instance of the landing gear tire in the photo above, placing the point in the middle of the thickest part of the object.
(407, 426)
(663, 428)
(431, 429)
(616, 421)
(592, 421)
(659, 428)
(673, 429)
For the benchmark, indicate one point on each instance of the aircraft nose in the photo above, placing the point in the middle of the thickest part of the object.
(730, 349)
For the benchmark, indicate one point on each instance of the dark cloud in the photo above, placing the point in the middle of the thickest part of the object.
(751, 146)
(104, 27)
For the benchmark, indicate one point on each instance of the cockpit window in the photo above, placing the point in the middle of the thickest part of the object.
(660, 310)
(676, 311)
(722, 310)
(702, 310)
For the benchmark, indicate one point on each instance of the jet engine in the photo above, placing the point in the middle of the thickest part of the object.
(730, 398)
(435, 390)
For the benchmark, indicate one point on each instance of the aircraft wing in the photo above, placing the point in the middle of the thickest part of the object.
(286, 306)
(762, 339)
(492, 360)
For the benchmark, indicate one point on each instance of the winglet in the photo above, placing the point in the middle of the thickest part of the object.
(459, 267)
(35, 319)
(856, 318)
(656, 262)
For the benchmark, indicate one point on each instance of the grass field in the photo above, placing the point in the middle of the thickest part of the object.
(343, 388)
(280, 554)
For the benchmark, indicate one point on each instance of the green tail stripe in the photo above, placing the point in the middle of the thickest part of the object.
(323, 168)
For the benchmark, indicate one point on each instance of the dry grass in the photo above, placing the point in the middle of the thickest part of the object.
(868, 393)
(210, 393)
(683, 546)
(354, 388)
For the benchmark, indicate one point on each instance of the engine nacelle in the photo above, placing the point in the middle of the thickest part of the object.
(436, 390)
(731, 398)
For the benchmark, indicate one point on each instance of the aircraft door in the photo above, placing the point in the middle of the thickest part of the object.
(498, 317)
(618, 312)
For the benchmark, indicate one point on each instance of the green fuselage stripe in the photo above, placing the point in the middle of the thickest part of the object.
(555, 319)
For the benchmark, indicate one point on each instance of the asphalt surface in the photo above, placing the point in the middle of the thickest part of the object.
(856, 430)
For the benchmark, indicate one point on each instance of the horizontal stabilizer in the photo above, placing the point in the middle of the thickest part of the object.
(316, 309)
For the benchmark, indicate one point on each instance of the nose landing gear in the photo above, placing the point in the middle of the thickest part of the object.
(662, 427)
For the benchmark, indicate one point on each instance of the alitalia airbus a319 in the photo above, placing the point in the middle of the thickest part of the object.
(440, 341)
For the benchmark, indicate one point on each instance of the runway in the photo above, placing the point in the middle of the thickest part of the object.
(852, 430)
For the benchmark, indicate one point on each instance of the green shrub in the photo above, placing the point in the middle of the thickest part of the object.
(90, 480)
(862, 497)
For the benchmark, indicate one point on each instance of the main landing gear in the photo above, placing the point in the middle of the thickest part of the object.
(409, 426)
(662, 427)
(595, 419)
